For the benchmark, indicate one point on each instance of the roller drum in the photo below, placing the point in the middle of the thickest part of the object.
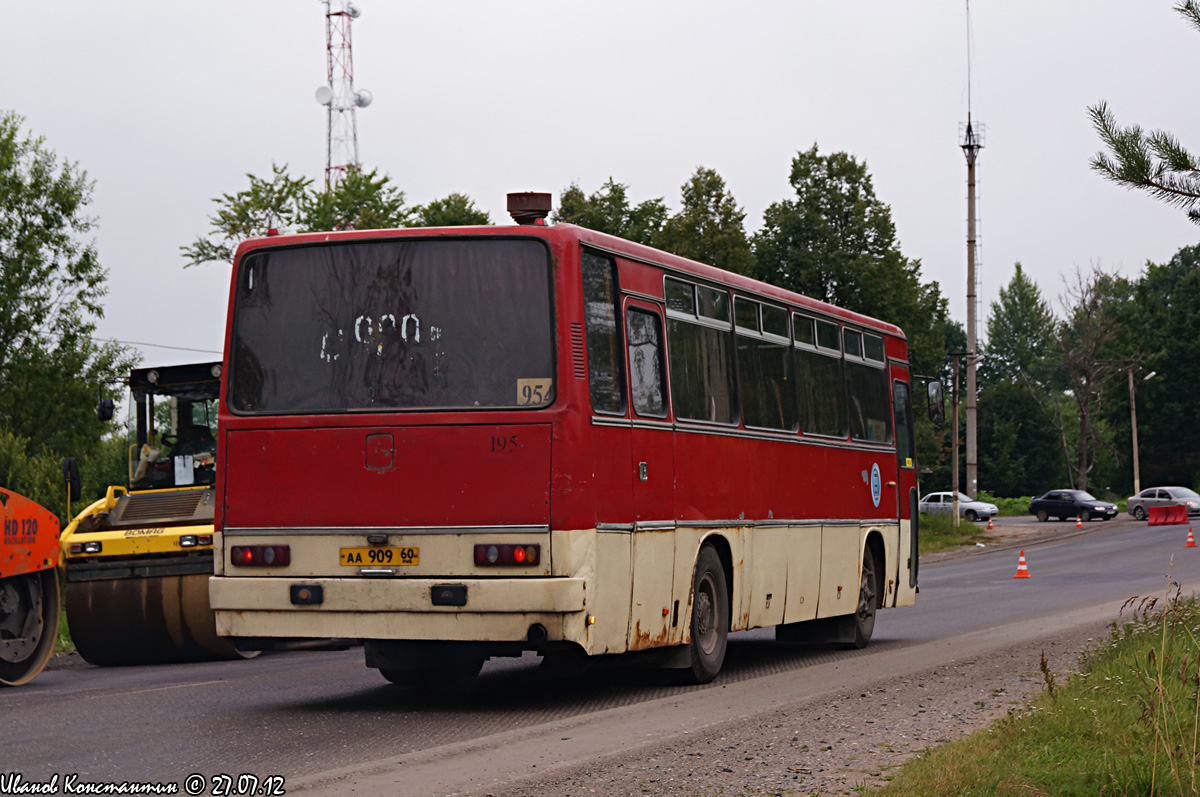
(29, 611)
(153, 620)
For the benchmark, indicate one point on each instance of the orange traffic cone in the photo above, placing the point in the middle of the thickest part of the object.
(1022, 568)
(1191, 542)
(990, 526)
(1078, 522)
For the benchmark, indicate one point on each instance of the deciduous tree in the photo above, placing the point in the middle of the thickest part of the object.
(52, 285)
(710, 225)
(454, 210)
(360, 200)
(608, 210)
(1090, 356)
(836, 242)
(278, 203)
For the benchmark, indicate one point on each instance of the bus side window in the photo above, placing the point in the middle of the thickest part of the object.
(866, 383)
(646, 381)
(765, 382)
(700, 354)
(606, 371)
(819, 376)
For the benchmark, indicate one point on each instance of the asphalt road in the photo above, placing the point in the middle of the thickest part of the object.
(305, 715)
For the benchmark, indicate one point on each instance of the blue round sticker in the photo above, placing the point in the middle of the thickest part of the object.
(876, 483)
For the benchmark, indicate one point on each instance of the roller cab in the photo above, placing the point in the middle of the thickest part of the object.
(137, 561)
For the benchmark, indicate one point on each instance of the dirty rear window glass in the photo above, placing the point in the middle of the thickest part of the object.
(403, 324)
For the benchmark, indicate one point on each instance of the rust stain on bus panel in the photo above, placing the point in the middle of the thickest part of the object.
(643, 640)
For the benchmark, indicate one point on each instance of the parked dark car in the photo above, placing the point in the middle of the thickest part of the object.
(1064, 504)
(1163, 496)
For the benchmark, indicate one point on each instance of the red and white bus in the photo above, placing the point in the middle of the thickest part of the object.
(468, 442)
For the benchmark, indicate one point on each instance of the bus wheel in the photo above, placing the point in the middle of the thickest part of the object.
(710, 618)
(439, 673)
(863, 619)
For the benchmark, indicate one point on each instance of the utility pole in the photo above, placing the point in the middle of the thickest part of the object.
(972, 142)
(1137, 476)
(954, 435)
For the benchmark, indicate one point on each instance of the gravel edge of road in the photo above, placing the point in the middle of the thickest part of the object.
(831, 746)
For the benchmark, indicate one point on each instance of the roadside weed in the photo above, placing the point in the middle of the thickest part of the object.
(1128, 723)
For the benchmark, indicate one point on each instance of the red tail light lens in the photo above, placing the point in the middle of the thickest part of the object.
(260, 555)
(492, 555)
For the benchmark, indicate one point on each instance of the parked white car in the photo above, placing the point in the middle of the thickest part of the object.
(943, 503)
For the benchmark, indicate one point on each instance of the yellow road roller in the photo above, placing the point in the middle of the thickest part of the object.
(137, 561)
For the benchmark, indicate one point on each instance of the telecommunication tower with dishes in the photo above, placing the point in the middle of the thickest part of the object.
(338, 95)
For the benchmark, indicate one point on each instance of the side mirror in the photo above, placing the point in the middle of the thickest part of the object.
(105, 410)
(71, 478)
(937, 402)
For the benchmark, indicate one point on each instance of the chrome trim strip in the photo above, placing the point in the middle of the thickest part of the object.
(773, 523)
(653, 525)
(645, 297)
(696, 427)
(601, 421)
(700, 321)
(376, 571)
(785, 437)
(609, 528)
(311, 530)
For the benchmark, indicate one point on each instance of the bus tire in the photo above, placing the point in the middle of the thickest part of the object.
(862, 622)
(710, 618)
(445, 673)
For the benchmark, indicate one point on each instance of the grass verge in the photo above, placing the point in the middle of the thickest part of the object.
(1128, 723)
(938, 533)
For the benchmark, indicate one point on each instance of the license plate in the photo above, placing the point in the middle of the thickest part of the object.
(367, 557)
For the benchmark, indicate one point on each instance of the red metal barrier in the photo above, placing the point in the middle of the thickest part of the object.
(1167, 515)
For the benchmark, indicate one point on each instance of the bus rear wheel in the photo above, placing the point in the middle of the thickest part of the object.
(862, 622)
(710, 618)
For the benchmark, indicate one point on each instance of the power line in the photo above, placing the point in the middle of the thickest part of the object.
(158, 345)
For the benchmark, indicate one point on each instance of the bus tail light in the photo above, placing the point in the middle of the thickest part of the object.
(260, 555)
(507, 555)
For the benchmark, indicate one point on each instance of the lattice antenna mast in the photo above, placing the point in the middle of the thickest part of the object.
(971, 141)
(338, 95)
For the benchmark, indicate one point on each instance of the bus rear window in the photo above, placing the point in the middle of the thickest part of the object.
(393, 325)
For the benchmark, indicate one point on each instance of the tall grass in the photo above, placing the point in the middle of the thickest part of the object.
(938, 533)
(1128, 723)
(1009, 507)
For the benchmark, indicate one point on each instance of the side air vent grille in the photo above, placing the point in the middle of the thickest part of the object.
(578, 351)
(164, 507)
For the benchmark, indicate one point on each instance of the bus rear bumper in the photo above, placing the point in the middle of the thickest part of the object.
(497, 610)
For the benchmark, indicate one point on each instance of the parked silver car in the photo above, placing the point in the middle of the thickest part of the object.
(1163, 496)
(943, 503)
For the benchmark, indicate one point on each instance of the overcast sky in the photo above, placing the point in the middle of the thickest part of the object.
(167, 105)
